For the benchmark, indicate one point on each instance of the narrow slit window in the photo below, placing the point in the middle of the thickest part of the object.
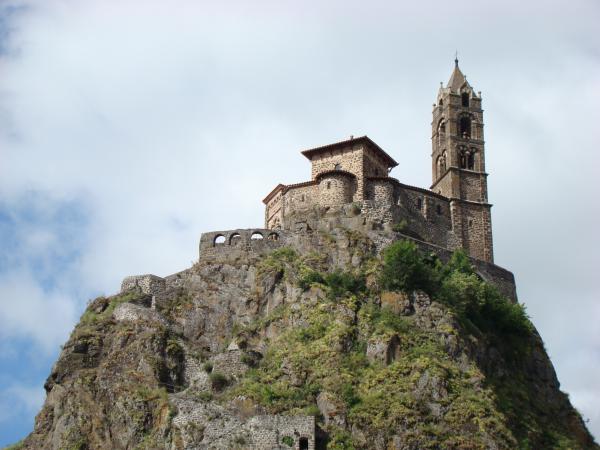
(465, 99)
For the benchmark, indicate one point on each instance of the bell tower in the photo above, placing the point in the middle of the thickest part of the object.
(458, 164)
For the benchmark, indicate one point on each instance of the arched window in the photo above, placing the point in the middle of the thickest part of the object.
(463, 158)
(219, 239)
(256, 236)
(438, 209)
(471, 160)
(441, 165)
(329, 185)
(464, 127)
(441, 103)
(235, 239)
(419, 204)
(442, 126)
(465, 99)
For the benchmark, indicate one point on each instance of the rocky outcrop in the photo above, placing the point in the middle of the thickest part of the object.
(296, 347)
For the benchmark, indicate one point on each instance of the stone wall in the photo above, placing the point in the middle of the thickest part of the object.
(227, 246)
(425, 214)
(269, 431)
(472, 186)
(476, 230)
(336, 188)
(341, 217)
(229, 363)
(381, 191)
(301, 197)
(274, 210)
(442, 185)
(349, 159)
(373, 164)
(147, 284)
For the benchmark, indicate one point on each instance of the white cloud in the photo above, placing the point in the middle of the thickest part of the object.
(30, 313)
(19, 399)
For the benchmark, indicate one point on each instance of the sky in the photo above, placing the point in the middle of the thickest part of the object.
(129, 127)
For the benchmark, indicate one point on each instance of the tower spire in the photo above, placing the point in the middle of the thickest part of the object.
(457, 79)
(458, 164)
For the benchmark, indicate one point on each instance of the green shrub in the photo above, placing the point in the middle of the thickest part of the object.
(459, 262)
(456, 284)
(309, 278)
(288, 440)
(218, 381)
(250, 359)
(280, 260)
(174, 349)
(404, 268)
(400, 226)
(480, 303)
(340, 440)
(207, 366)
(204, 396)
(312, 410)
(349, 395)
(341, 283)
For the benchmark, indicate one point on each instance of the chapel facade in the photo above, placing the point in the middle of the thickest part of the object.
(350, 183)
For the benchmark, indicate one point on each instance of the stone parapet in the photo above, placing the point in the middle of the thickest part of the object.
(147, 284)
(226, 246)
(237, 245)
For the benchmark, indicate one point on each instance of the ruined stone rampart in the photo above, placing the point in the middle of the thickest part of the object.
(146, 284)
(227, 246)
(270, 431)
(239, 245)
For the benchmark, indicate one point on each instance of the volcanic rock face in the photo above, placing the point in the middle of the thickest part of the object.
(300, 348)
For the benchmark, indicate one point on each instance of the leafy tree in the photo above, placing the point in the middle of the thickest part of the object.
(404, 268)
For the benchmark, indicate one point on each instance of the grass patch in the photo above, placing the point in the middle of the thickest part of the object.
(218, 381)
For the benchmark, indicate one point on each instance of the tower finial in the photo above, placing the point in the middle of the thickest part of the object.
(456, 58)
